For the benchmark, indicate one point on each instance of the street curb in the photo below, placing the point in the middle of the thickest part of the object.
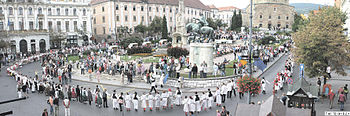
(272, 65)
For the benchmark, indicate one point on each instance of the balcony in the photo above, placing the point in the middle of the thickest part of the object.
(40, 16)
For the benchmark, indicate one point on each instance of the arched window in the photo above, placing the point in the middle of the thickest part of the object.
(58, 10)
(66, 11)
(74, 12)
(40, 10)
(30, 11)
(49, 12)
(84, 12)
(1, 10)
(20, 11)
(10, 11)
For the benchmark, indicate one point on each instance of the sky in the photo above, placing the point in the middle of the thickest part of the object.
(244, 3)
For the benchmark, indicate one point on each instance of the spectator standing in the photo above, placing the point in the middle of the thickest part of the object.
(66, 104)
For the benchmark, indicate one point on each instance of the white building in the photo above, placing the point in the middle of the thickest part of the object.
(226, 13)
(345, 7)
(71, 17)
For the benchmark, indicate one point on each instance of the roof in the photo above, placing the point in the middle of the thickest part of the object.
(228, 8)
(271, 106)
(188, 3)
(302, 85)
(212, 6)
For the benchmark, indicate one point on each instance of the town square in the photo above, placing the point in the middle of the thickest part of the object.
(174, 57)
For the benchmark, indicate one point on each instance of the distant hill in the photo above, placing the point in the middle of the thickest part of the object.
(305, 8)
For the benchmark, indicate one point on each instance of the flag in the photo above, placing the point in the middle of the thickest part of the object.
(260, 64)
(244, 62)
(165, 78)
(239, 57)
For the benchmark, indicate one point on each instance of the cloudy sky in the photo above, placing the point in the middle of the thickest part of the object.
(244, 3)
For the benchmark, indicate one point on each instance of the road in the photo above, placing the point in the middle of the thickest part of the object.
(34, 105)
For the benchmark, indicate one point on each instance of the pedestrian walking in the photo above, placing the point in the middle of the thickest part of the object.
(157, 99)
(144, 101)
(178, 97)
(127, 102)
(104, 98)
(164, 101)
(135, 101)
(341, 100)
(89, 96)
(331, 99)
(197, 102)
(150, 100)
(210, 99)
(204, 99)
(115, 100)
(121, 101)
(218, 97)
(66, 104)
(45, 113)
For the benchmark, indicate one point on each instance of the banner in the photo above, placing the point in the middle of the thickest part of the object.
(244, 62)
(260, 64)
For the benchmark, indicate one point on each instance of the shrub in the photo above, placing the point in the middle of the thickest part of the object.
(125, 42)
(142, 54)
(177, 52)
(252, 85)
(266, 40)
(160, 55)
(137, 50)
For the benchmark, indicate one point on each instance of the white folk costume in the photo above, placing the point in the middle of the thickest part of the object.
(178, 97)
(115, 101)
(170, 98)
(143, 101)
(135, 101)
(164, 99)
(218, 97)
(204, 99)
(128, 101)
(150, 99)
(157, 100)
(198, 103)
(186, 103)
(192, 105)
(210, 99)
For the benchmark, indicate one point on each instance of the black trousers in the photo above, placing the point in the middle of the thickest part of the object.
(234, 92)
(153, 88)
(229, 94)
(241, 95)
(105, 102)
(223, 97)
(121, 106)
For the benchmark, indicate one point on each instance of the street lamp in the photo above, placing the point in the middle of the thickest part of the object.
(250, 71)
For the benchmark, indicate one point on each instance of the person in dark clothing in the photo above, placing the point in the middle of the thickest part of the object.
(284, 98)
(89, 96)
(104, 98)
(319, 86)
(45, 113)
(194, 71)
(77, 91)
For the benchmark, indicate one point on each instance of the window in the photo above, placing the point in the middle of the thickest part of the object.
(67, 26)
(134, 8)
(84, 12)
(21, 26)
(75, 23)
(150, 8)
(157, 9)
(275, 9)
(1, 10)
(103, 19)
(103, 9)
(12, 27)
(59, 26)
(31, 25)
(195, 12)
(40, 11)
(269, 17)
(287, 26)
(260, 16)
(279, 17)
(84, 25)
(116, 7)
(104, 30)
(260, 25)
(58, 11)
(163, 9)
(10, 11)
(50, 25)
(142, 18)
(126, 17)
(20, 11)
(134, 18)
(171, 10)
(75, 12)
(141, 8)
(125, 7)
(95, 31)
(94, 11)
(41, 25)
(94, 20)
(49, 11)
(117, 18)
(150, 18)
(287, 18)
(66, 11)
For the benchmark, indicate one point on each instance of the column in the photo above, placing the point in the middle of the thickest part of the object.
(45, 25)
(25, 21)
(16, 22)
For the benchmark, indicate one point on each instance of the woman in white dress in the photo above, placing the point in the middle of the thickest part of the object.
(115, 100)
(204, 99)
(197, 102)
(135, 101)
(192, 105)
(164, 99)
(127, 102)
(178, 97)
(143, 102)
(157, 99)
(186, 103)
(170, 98)
(150, 99)
(218, 96)
(210, 99)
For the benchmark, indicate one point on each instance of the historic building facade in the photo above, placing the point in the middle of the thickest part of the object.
(271, 15)
(70, 17)
(344, 6)
(226, 13)
(110, 16)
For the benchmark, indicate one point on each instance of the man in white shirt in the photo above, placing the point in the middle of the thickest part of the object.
(66, 104)
(329, 71)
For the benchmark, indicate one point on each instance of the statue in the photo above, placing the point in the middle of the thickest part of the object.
(201, 29)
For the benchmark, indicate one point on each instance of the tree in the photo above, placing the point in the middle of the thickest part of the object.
(320, 43)
(141, 29)
(211, 23)
(219, 23)
(164, 28)
(298, 21)
(4, 44)
(239, 20)
(156, 25)
(233, 21)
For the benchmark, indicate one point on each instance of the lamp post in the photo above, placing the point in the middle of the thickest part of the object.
(250, 70)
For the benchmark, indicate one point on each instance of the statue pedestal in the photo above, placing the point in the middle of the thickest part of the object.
(200, 52)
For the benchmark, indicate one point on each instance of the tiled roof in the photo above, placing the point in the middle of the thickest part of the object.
(212, 6)
(227, 8)
(188, 3)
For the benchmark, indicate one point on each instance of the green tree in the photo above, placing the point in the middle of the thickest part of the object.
(239, 21)
(298, 21)
(164, 28)
(233, 21)
(321, 43)
(219, 23)
(141, 29)
(156, 25)
(211, 23)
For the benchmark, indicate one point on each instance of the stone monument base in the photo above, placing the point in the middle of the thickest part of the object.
(200, 52)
